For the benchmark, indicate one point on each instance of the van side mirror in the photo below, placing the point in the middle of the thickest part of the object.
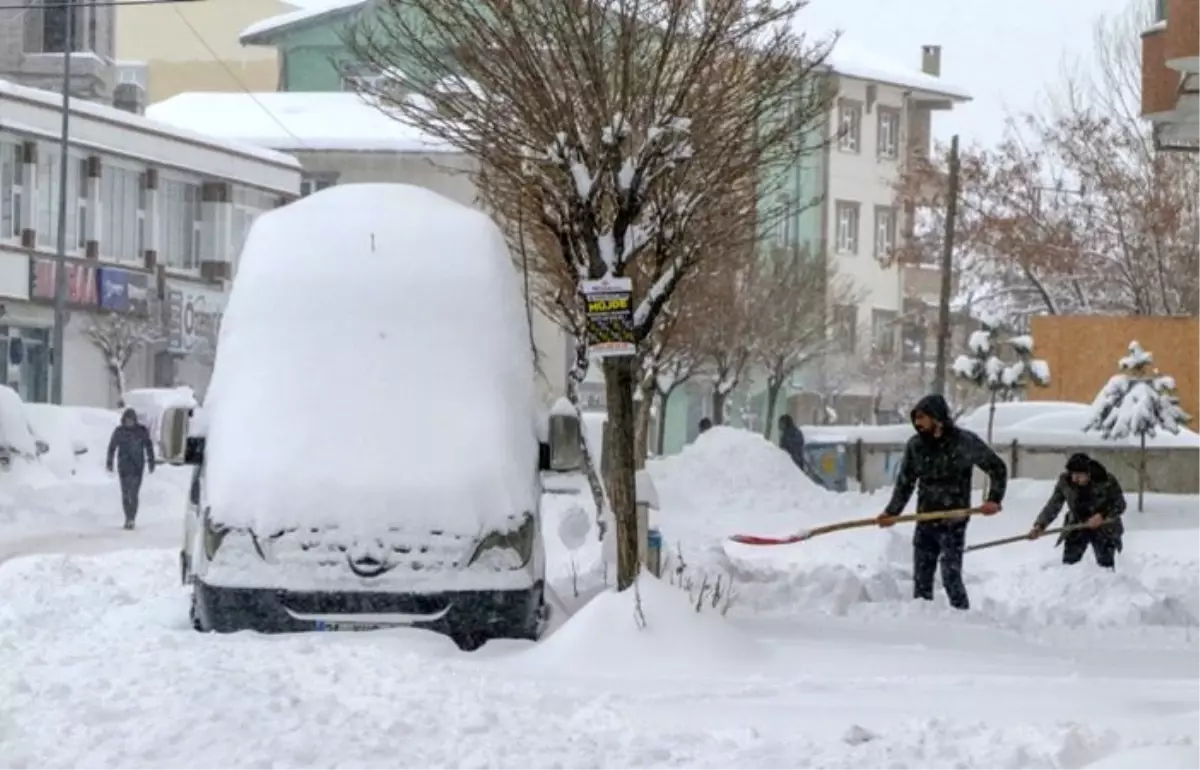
(565, 434)
(173, 434)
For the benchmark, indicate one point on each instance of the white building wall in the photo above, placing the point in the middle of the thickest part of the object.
(447, 174)
(864, 178)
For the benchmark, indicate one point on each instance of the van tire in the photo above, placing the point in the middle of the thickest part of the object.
(194, 614)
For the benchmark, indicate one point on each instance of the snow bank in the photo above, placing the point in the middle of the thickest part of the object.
(1150, 758)
(76, 437)
(15, 435)
(408, 401)
(605, 636)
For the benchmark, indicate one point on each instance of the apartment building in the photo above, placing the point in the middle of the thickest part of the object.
(34, 40)
(1171, 75)
(156, 217)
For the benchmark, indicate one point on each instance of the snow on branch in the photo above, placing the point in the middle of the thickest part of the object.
(1137, 401)
(119, 336)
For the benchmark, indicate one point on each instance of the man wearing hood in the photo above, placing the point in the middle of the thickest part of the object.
(940, 458)
(134, 450)
(791, 440)
(1094, 499)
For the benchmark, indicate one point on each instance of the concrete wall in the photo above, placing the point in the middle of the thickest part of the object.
(1169, 469)
(447, 174)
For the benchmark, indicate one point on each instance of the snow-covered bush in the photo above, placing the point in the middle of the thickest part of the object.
(1137, 401)
(983, 367)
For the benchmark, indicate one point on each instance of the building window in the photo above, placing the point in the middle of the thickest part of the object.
(849, 125)
(885, 232)
(55, 16)
(845, 327)
(883, 332)
(248, 205)
(887, 143)
(180, 224)
(46, 215)
(12, 177)
(311, 183)
(122, 206)
(1160, 10)
(81, 203)
(847, 227)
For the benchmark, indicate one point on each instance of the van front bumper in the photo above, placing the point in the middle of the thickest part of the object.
(462, 615)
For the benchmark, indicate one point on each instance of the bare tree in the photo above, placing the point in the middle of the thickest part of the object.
(723, 327)
(119, 336)
(790, 296)
(612, 128)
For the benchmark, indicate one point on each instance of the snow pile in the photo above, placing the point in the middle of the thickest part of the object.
(409, 401)
(76, 437)
(606, 636)
(729, 480)
(1136, 401)
(16, 439)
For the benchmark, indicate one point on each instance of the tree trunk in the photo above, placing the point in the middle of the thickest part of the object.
(718, 406)
(773, 388)
(1142, 476)
(589, 460)
(641, 429)
(991, 416)
(618, 385)
(660, 440)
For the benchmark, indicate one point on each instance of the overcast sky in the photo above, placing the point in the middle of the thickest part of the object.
(1006, 53)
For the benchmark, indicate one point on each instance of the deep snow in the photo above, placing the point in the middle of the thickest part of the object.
(822, 661)
(377, 413)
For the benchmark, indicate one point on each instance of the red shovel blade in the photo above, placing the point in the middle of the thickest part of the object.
(799, 537)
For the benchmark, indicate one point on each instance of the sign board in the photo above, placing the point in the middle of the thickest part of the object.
(81, 282)
(193, 317)
(124, 291)
(609, 316)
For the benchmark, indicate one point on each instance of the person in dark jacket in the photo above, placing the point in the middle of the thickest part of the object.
(1093, 497)
(940, 458)
(705, 424)
(791, 440)
(134, 451)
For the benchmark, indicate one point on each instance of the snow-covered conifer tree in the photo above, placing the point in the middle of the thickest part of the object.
(983, 367)
(1137, 401)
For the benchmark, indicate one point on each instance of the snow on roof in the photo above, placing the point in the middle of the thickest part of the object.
(295, 121)
(851, 61)
(310, 10)
(147, 124)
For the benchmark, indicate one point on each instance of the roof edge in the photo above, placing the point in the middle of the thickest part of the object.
(265, 32)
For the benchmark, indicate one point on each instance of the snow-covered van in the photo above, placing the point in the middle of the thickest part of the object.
(369, 451)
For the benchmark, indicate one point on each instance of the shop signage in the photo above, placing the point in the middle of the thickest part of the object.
(124, 291)
(193, 317)
(81, 282)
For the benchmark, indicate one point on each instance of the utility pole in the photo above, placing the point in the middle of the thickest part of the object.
(60, 256)
(943, 328)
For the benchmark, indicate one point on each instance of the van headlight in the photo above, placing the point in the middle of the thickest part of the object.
(214, 535)
(507, 550)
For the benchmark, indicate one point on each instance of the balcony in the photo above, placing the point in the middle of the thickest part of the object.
(1181, 49)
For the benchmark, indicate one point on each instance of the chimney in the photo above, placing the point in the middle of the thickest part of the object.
(130, 97)
(931, 60)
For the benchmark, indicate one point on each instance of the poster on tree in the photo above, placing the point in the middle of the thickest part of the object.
(609, 316)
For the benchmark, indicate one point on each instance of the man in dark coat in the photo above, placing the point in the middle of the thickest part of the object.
(1094, 498)
(941, 458)
(705, 424)
(134, 451)
(791, 440)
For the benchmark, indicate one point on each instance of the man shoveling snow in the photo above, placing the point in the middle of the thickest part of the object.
(134, 450)
(940, 458)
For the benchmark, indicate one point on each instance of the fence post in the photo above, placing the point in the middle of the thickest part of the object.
(859, 464)
(1014, 470)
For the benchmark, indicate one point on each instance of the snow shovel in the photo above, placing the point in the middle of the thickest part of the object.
(826, 529)
(1019, 538)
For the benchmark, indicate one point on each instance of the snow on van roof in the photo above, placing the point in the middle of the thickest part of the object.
(373, 370)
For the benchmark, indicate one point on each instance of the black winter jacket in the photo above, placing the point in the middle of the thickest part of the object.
(791, 440)
(942, 466)
(132, 447)
(1104, 497)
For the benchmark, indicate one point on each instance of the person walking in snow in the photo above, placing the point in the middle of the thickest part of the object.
(1094, 498)
(940, 459)
(705, 424)
(791, 440)
(134, 451)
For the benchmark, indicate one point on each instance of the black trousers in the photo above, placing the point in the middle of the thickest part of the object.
(1104, 546)
(934, 543)
(131, 487)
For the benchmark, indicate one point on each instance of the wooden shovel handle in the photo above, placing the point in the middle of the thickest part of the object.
(959, 513)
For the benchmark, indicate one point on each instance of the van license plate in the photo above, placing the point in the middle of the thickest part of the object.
(322, 625)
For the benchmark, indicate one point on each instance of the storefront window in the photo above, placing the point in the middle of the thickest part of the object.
(25, 362)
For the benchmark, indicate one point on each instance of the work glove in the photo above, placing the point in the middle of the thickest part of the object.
(1095, 522)
(1036, 531)
(989, 508)
(885, 520)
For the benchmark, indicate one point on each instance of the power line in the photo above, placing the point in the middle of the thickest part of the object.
(241, 84)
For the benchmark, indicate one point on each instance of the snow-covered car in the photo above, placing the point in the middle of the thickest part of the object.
(370, 453)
